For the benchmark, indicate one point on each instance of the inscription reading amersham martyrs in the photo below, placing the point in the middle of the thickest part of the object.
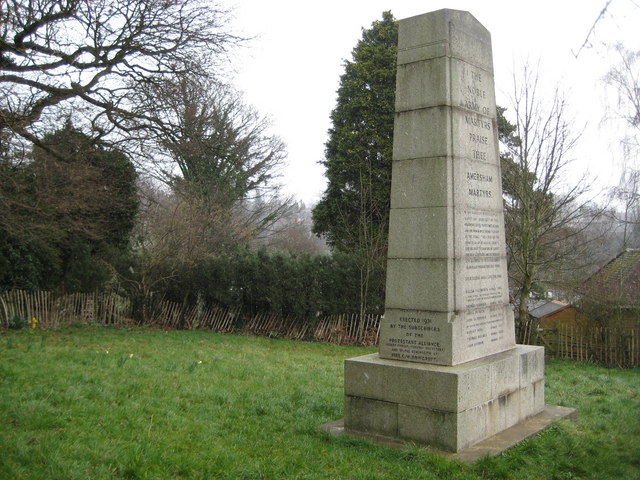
(480, 192)
(479, 177)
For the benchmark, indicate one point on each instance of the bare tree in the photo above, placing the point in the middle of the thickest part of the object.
(217, 151)
(182, 229)
(546, 210)
(94, 54)
(365, 230)
(623, 82)
(627, 193)
(624, 79)
(292, 233)
(174, 233)
(601, 15)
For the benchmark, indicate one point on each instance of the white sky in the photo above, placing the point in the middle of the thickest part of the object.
(291, 71)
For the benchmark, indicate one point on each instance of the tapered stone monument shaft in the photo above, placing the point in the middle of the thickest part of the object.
(447, 295)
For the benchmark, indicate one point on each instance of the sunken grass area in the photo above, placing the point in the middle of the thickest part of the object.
(102, 403)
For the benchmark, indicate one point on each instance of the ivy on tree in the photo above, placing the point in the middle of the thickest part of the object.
(67, 217)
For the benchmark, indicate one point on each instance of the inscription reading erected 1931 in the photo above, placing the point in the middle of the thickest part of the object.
(415, 339)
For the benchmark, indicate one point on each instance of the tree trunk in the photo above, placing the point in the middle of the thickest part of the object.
(523, 322)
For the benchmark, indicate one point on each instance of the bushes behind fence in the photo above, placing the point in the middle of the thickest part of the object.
(281, 283)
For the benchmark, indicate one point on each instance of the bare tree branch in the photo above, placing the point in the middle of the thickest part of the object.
(99, 52)
(593, 27)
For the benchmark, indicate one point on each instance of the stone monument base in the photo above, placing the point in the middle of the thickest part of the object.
(490, 447)
(451, 408)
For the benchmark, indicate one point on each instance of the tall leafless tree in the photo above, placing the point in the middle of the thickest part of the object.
(90, 57)
(547, 209)
(623, 83)
(624, 79)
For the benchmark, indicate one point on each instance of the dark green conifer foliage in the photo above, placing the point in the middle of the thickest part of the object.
(358, 152)
(353, 213)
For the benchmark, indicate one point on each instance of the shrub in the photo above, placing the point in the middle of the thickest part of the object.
(17, 323)
(299, 285)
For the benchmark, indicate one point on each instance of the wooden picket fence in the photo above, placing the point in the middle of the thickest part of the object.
(191, 317)
(346, 329)
(53, 311)
(611, 346)
(617, 347)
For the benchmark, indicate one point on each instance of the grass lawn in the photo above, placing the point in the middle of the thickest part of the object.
(102, 403)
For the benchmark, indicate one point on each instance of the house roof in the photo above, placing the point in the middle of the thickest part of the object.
(622, 266)
(549, 308)
(618, 281)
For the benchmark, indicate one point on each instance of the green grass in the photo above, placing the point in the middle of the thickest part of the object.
(100, 403)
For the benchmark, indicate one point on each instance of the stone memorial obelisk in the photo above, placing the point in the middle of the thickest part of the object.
(448, 372)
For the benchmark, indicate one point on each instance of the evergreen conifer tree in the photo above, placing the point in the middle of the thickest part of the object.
(353, 213)
(358, 152)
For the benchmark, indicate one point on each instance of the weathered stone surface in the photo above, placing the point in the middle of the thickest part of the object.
(421, 182)
(444, 32)
(439, 387)
(451, 407)
(419, 232)
(491, 446)
(447, 250)
(398, 382)
(410, 284)
(422, 133)
(371, 416)
(423, 425)
(531, 364)
(444, 338)
(448, 372)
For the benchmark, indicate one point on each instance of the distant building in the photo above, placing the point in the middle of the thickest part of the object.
(618, 282)
(553, 313)
(613, 292)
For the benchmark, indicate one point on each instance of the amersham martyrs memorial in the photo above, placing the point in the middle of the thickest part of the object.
(448, 372)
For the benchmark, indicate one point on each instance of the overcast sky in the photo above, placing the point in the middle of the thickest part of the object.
(290, 72)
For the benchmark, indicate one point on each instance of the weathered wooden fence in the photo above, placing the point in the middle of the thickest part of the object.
(612, 346)
(54, 311)
(341, 329)
(178, 316)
